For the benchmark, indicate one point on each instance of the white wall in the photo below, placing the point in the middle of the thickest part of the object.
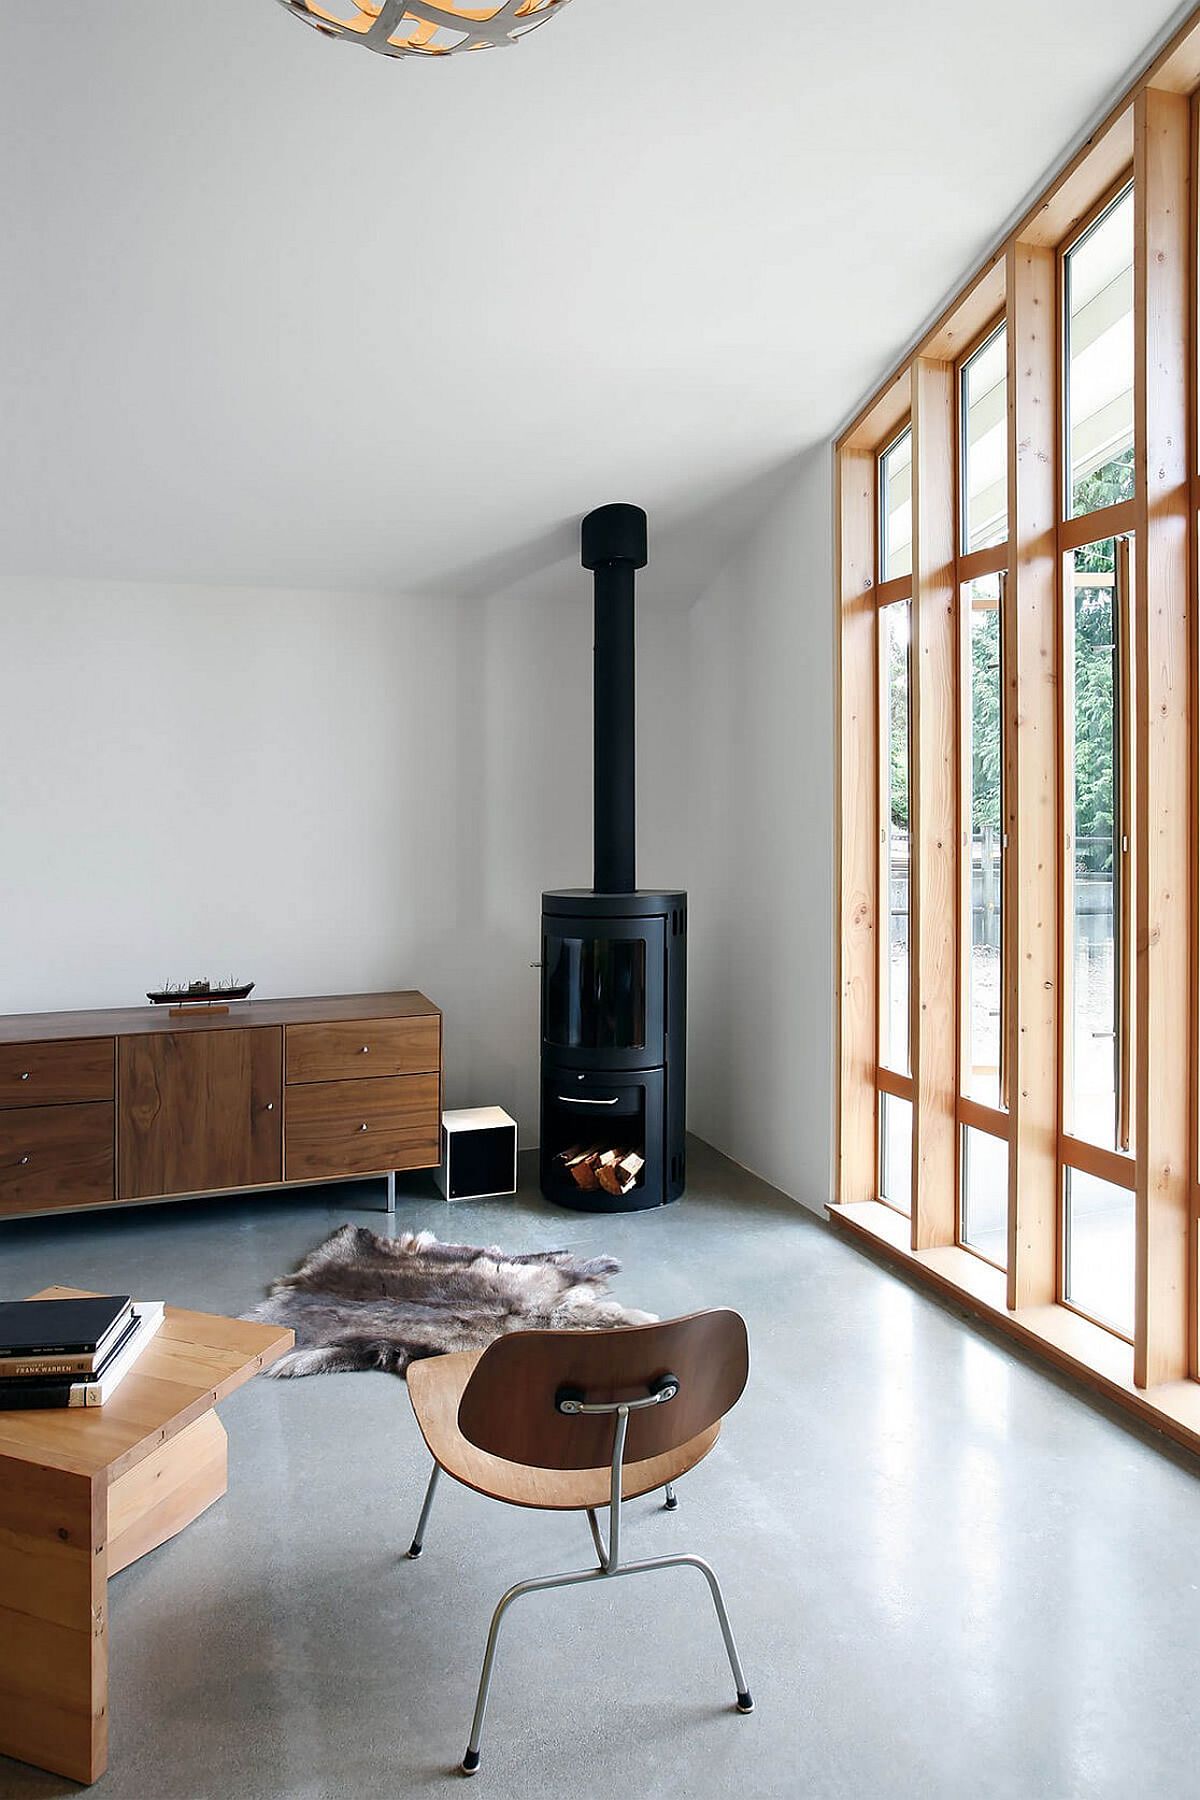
(321, 792)
(760, 845)
(327, 792)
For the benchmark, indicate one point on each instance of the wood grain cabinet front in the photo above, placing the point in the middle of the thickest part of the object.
(49, 1074)
(362, 1127)
(142, 1103)
(358, 1050)
(199, 1111)
(54, 1156)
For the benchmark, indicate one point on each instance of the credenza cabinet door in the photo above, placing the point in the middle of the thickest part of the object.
(362, 1127)
(199, 1110)
(54, 1156)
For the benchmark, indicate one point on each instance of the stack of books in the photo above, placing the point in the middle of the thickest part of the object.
(71, 1352)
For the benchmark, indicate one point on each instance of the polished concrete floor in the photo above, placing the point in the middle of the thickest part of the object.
(952, 1579)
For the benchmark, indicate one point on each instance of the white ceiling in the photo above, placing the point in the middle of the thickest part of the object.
(274, 310)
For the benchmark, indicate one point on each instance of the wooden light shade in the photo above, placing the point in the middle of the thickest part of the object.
(421, 28)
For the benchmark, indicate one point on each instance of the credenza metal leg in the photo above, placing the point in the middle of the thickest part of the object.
(390, 1204)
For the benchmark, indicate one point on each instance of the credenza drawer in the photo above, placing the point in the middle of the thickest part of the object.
(51, 1073)
(349, 1050)
(361, 1127)
(55, 1156)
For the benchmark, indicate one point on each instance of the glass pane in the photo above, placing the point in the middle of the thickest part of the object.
(1093, 872)
(595, 992)
(895, 1151)
(895, 491)
(1099, 293)
(1099, 1249)
(984, 748)
(985, 1195)
(893, 627)
(985, 444)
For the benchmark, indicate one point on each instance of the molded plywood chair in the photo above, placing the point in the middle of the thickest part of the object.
(570, 1421)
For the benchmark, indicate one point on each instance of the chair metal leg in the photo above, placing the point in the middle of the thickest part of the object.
(418, 1543)
(672, 1499)
(598, 1538)
(470, 1761)
(745, 1702)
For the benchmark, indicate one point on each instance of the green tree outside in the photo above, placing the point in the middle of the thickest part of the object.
(1095, 689)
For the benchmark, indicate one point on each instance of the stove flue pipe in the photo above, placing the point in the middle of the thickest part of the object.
(614, 547)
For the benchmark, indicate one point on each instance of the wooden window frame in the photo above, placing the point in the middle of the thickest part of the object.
(1153, 131)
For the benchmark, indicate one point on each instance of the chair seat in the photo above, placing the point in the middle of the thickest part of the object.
(436, 1386)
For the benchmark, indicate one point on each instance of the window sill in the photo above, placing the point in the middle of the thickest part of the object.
(1094, 1356)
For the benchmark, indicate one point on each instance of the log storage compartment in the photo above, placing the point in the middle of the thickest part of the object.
(97, 1107)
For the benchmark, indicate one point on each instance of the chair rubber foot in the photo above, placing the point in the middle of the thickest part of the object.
(671, 1503)
(745, 1702)
(414, 1550)
(470, 1762)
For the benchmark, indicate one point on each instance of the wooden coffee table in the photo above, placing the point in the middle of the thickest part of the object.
(83, 1493)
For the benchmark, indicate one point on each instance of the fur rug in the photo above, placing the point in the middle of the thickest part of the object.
(364, 1302)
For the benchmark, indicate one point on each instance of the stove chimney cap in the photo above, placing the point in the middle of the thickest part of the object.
(614, 534)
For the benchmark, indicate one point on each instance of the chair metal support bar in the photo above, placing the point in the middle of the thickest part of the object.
(541, 1583)
(610, 1553)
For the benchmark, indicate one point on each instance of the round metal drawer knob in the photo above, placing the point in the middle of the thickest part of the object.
(24, 1160)
(270, 1106)
(366, 1050)
(25, 1075)
(362, 1128)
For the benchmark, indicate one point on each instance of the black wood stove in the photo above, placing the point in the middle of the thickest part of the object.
(614, 959)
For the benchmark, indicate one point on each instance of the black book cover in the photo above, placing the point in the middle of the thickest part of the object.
(22, 1392)
(58, 1327)
(32, 1395)
(18, 1383)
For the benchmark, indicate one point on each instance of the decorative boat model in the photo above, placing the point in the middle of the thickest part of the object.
(201, 993)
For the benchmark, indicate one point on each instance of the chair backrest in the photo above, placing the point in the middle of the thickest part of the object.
(509, 1406)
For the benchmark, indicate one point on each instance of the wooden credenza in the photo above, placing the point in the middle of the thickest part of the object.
(97, 1108)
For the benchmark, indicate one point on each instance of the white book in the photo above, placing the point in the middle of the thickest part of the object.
(149, 1315)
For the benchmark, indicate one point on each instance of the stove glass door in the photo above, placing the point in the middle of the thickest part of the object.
(603, 990)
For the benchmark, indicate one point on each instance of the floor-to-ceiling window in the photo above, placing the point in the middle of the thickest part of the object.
(1019, 523)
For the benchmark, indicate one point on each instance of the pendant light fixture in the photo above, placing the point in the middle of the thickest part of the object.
(421, 28)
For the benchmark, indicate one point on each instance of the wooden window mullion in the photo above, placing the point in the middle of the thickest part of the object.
(1165, 1052)
(1032, 774)
(861, 916)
